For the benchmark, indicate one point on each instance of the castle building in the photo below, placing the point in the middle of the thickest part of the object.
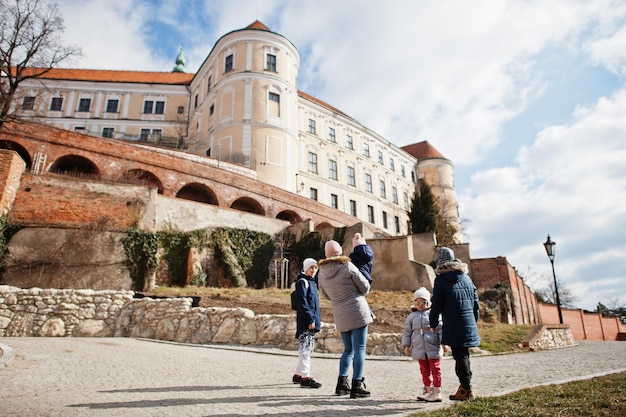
(243, 106)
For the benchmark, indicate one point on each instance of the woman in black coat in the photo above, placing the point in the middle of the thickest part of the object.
(455, 298)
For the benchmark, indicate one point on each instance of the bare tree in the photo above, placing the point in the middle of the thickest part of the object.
(30, 46)
(543, 287)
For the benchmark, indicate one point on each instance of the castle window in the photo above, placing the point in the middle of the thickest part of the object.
(228, 63)
(396, 220)
(84, 104)
(28, 103)
(392, 164)
(312, 128)
(334, 201)
(208, 84)
(380, 158)
(332, 167)
(313, 193)
(112, 106)
(270, 62)
(273, 105)
(274, 97)
(157, 106)
(385, 225)
(366, 149)
(402, 171)
(313, 162)
(349, 142)
(56, 104)
(331, 135)
(107, 132)
(368, 182)
(370, 214)
(353, 208)
(181, 109)
(211, 109)
(383, 189)
(394, 195)
(351, 177)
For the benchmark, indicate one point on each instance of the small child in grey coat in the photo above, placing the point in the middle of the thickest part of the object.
(423, 345)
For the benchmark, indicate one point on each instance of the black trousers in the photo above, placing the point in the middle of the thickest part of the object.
(462, 367)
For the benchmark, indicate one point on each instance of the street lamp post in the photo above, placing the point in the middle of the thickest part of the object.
(550, 250)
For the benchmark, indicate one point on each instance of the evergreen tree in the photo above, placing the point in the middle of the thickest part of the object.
(426, 216)
(423, 211)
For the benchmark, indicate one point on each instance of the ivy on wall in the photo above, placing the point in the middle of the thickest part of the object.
(245, 255)
(7, 230)
(310, 246)
(141, 255)
(175, 246)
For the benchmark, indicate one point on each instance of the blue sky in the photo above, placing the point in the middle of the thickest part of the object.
(527, 98)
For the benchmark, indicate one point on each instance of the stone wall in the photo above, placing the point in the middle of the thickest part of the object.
(549, 337)
(106, 313)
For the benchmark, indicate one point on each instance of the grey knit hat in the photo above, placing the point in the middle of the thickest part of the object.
(443, 255)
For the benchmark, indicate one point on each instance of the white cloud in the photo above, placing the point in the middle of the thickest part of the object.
(111, 34)
(571, 182)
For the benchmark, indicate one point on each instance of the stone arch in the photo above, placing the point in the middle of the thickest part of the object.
(323, 225)
(290, 216)
(197, 192)
(21, 151)
(248, 205)
(142, 177)
(75, 166)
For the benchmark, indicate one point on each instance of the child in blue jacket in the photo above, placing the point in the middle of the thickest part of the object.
(308, 322)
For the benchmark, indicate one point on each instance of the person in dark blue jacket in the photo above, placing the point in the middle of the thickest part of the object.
(455, 298)
(362, 256)
(308, 322)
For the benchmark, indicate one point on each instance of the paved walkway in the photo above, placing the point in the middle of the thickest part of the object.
(85, 377)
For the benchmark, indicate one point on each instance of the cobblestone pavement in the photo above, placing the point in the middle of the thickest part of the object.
(85, 377)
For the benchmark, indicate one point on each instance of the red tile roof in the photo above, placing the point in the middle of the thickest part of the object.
(174, 78)
(321, 103)
(258, 25)
(423, 150)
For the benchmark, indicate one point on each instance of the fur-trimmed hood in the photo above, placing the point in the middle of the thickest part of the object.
(341, 282)
(334, 259)
(454, 265)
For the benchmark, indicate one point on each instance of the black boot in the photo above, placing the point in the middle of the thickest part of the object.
(358, 389)
(343, 388)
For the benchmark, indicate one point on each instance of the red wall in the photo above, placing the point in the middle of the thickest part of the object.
(174, 170)
(584, 326)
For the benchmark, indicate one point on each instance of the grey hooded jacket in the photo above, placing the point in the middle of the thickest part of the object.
(342, 283)
(424, 344)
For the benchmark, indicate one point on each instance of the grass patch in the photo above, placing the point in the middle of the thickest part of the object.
(502, 337)
(245, 294)
(598, 397)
